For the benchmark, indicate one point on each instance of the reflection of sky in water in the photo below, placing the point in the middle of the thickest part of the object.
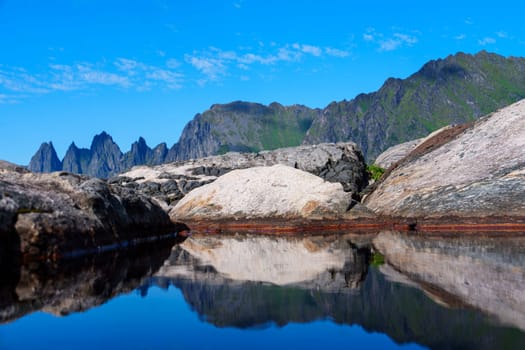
(163, 320)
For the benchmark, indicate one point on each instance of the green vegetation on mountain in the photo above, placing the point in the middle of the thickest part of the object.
(457, 89)
(245, 127)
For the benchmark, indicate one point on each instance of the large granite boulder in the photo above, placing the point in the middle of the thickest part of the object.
(334, 162)
(278, 191)
(58, 213)
(476, 170)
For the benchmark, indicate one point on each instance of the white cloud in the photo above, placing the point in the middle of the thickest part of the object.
(336, 52)
(173, 63)
(486, 41)
(502, 34)
(368, 37)
(308, 49)
(9, 99)
(460, 37)
(389, 43)
(469, 21)
(406, 39)
(211, 67)
(123, 73)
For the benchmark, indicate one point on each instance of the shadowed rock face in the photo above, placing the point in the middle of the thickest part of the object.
(57, 213)
(76, 285)
(478, 173)
(246, 282)
(45, 159)
(486, 272)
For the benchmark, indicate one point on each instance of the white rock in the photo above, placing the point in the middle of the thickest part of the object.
(278, 191)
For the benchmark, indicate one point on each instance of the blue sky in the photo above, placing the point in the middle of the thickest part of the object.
(71, 69)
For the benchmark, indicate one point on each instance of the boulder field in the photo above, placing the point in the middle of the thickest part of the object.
(334, 162)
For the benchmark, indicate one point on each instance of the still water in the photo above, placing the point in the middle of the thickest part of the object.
(258, 292)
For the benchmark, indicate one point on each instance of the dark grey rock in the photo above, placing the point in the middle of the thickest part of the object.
(62, 212)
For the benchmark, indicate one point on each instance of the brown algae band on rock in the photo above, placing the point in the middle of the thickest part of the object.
(278, 191)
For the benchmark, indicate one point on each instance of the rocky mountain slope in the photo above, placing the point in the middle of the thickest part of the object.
(454, 90)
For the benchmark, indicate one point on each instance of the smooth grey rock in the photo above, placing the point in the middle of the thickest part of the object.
(478, 173)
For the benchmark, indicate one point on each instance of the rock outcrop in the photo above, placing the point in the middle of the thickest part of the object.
(58, 213)
(169, 183)
(464, 171)
(278, 191)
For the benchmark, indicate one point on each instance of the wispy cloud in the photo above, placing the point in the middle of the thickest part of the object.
(215, 63)
(211, 67)
(502, 34)
(123, 73)
(390, 42)
(486, 41)
(336, 52)
(460, 37)
(308, 49)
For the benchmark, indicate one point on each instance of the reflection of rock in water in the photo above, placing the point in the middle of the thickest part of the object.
(487, 272)
(327, 263)
(403, 313)
(78, 284)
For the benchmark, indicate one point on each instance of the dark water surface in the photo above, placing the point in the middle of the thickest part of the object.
(253, 292)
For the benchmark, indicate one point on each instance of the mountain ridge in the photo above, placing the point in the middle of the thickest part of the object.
(456, 89)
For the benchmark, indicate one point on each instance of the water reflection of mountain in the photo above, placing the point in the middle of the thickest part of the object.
(74, 285)
(217, 292)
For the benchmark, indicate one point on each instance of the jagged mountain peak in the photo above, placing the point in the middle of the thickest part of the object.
(45, 159)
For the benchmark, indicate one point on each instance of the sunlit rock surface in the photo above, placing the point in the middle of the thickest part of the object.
(278, 191)
(478, 173)
(485, 272)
